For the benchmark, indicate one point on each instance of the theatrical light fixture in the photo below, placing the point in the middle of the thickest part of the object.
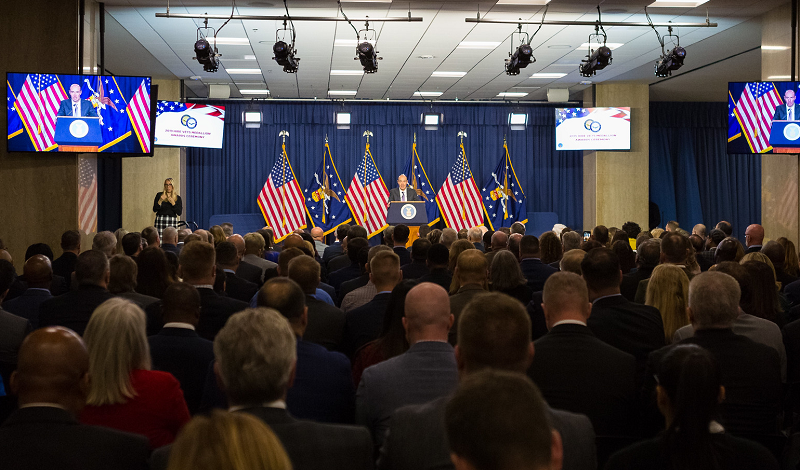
(523, 55)
(596, 59)
(366, 53)
(669, 61)
(518, 121)
(342, 120)
(431, 121)
(284, 56)
(205, 55)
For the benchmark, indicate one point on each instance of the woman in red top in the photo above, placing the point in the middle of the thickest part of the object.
(124, 393)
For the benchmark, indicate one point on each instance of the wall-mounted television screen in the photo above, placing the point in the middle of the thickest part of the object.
(593, 128)
(79, 113)
(189, 125)
(763, 117)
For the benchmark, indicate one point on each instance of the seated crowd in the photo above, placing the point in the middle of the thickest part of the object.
(469, 350)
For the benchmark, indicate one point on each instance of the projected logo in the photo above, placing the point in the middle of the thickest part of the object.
(188, 121)
(592, 125)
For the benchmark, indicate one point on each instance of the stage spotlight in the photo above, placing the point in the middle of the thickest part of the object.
(205, 55)
(670, 62)
(597, 60)
(284, 56)
(367, 54)
(520, 59)
(518, 121)
(342, 120)
(431, 121)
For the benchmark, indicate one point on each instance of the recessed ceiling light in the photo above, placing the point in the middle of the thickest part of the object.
(478, 45)
(254, 92)
(195, 77)
(426, 56)
(448, 74)
(342, 93)
(586, 82)
(249, 57)
(677, 3)
(229, 41)
(347, 72)
(366, 1)
(346, 42)
(522, 2)
(548, 75)
(243, 71)
(774, 48)
(779, 77)
(512, 94)
(427, 93)
(560, 46)
(595, 45)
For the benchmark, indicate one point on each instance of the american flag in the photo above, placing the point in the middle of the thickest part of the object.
(754, 110)
(367, 196)
(37, 104)
(87, 194)
(459, 198)
(215, 111)
(139, 113)
(281, 200)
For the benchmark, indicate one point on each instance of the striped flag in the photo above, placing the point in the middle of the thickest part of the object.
(459, 198)
(754, 111)
(139, 114)
(503, 197)
(281, 200)
(419, 182)
(37, 104)
(325, 198)
(87, 194)
(367, 196)
(14, 122)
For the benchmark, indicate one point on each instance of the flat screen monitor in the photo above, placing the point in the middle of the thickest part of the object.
(79, 113)
(189, 125)
(593, 128)
(763, 117)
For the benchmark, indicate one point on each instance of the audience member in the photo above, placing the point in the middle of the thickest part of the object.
(725, 227)
(487, 241)
(763, 300)
(437, 262)
(254, 253)
(124, 393)
(325, 325)
(228, 441)
(505, 276)
(648, 255)
(750, 372)
(354, 245)
(791, 265)
(419, 254)
(777, 255)
(499, 242)
(675, 249)
(424, 230)
(533, 268)
(518, 227)
(122, 281)
(357, 292)
(754, 237)
(245, 270)
(627, 258)
(155, 274)
(632, 229)
(105, 242)
(51, 384)
(118, 234)
(472, 278)
(668, 291)
(132, 244)
(319, 240)
(13, 328)
(217, 234)
(169, 240)
(577, 372)
(727, 250)
(458, 247)
(235, 287)
(449, 236)
(417, 437)
(39, 275)
(177, 348)
(150, 235)
(74, 308)
(474, 235)
(64, 265)
(425, 372)
(600, 235)
(400, 239)
(550, 248)
(198, 268)
(690, 388)
(335, 248)
(363, 324)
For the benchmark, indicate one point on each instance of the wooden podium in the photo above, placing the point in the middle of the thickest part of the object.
(409, 213)
(78, 148)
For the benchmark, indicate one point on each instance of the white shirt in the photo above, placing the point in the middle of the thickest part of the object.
(177, 324)
(789, 113)
(273, 404)
(403, 196)
(76, 109)
(568, 322)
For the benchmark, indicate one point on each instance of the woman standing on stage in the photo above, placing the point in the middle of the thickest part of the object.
(168, 207)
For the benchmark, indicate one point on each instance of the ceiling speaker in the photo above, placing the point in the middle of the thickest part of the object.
(222, 92)
(557, 94)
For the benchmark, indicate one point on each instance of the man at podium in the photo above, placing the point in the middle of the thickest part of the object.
(402, 192)
(75, 106)
(787, 112)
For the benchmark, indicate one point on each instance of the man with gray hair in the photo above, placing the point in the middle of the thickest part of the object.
(518, 227)
(475, 235)
(169, 240)
(571, 241)
(749, 372)
(256, 355)
(105, 242)
(449, 235)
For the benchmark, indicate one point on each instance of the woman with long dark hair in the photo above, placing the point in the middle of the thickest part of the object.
(689, 393)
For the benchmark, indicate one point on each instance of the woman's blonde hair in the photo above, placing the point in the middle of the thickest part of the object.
(121, 232)
(218, 234)
(170, 180)
(458, 247)
(668, 291)
(117, 344)
(762, 258)
(227, 441)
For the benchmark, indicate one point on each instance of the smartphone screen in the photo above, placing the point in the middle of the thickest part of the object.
(586, 235)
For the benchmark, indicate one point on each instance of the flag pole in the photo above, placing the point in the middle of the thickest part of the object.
(463, 134)
(505, 172)
(283, 134)
(325, 178)
(366, 134)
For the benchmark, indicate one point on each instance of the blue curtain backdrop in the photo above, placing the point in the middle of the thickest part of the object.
(227, 181)
(692, 178)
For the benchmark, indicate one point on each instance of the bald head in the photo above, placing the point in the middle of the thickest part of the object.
(427, 313)
(38, 272)
(6, 256)
(317, 233)
(499, 241)
(294, 241)
(238, 242)
(53, 367)
(754, 235)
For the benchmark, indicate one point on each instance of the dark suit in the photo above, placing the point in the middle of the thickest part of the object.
(479, 246)
(457, 303)
(74, 308)
(323, 385)
(27, 305)
(143, 301)
(336, 278)
(411, 195)
(633, 328)
(415, 269)
(64, 266)
(87, 110)
(784, 278)
(536, 272)
(171, 248)
(58, 286)
(425, 372)
(536, 313)
(753, 249)
(333, 250)
(577, 372)
(781, 113)
(337, 263)
(215, 311)
(13, 330)
(325, 324)
(46, 438)
(750, 373)
(417, 440)
(250, 273)
(184, 354)
(239, 288)
(439, 276)
(630, 282)
(402, 252)
(363, 324)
